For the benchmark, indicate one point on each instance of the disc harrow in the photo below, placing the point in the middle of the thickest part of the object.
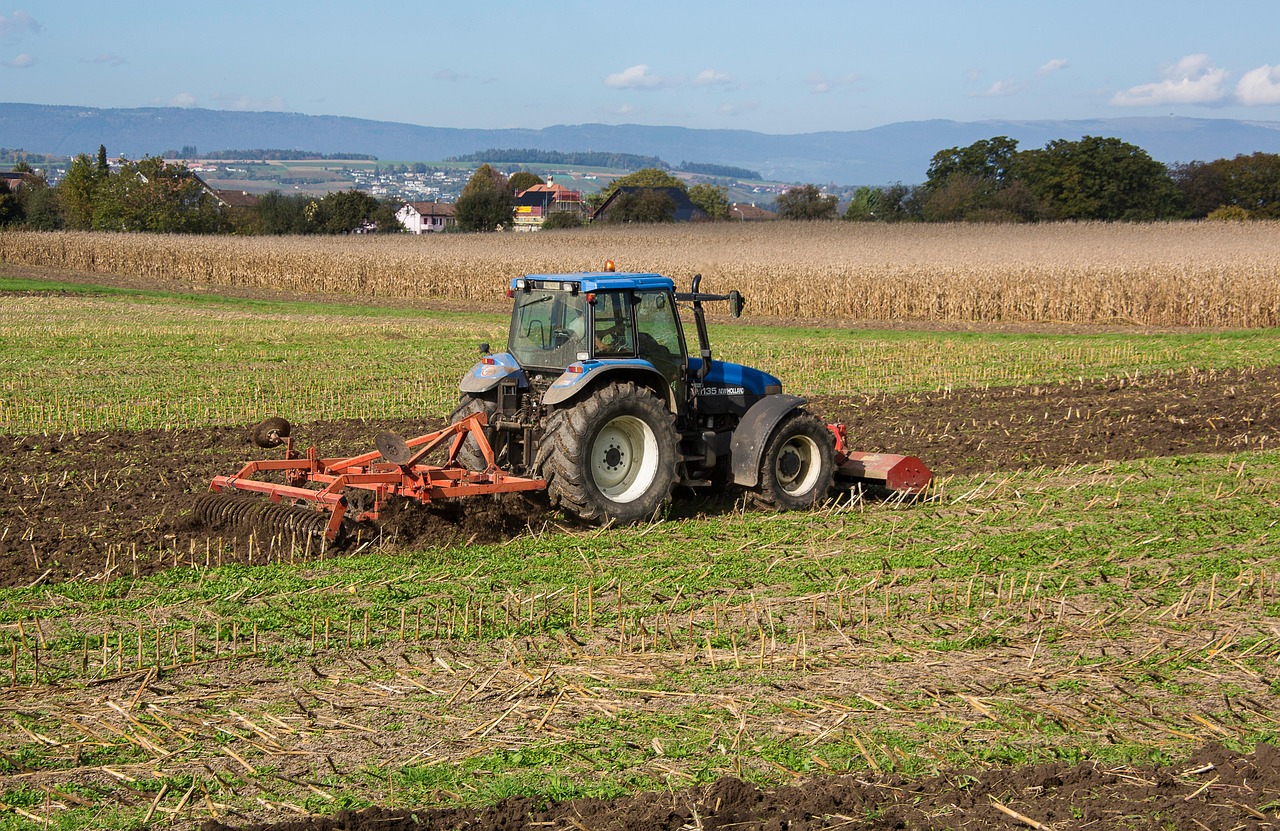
(328, 498)
(250, 514)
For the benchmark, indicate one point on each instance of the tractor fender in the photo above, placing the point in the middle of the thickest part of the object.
(485, 375)
(582, 376)
(753, 432)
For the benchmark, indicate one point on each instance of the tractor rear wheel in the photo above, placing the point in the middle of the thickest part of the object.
(797, 470)
(612, 456)
(469, 455)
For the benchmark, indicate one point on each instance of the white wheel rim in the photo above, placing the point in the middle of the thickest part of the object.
(624, 459)
(797, 465)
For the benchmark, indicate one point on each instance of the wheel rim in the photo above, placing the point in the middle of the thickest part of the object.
(624, 459)
(797, 466)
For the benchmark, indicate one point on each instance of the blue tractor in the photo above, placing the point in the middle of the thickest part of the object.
(599, 401)
(599, 395)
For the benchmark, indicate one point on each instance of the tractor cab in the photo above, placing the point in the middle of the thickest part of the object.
(571, 332)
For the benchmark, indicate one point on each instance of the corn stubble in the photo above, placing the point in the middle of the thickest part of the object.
(1171, 274)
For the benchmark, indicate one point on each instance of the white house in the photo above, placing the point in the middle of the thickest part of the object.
(425, 217)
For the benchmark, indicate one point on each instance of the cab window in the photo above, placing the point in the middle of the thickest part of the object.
(658, 333)
(612, 328)
(548, 328)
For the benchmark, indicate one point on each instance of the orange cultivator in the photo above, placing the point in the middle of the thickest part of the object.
(323, 497)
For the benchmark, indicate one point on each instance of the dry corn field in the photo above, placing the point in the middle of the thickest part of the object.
(1172, 274)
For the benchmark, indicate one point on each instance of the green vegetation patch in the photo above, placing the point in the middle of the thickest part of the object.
(82, 357)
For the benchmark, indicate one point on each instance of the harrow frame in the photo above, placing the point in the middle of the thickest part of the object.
(400, 474)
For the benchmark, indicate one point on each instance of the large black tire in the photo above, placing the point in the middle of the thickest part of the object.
(469, 455)
(611, 457)
(797, 469)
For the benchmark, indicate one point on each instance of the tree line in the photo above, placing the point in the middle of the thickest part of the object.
(1094, 178)
(157, 196)
(990, 180)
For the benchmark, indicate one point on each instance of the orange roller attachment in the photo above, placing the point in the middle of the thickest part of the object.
(900, 474)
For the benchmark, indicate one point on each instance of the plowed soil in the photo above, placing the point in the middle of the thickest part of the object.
(1216, 789)
(96, 505)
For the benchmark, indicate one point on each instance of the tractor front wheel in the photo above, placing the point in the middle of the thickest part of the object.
(612, 456)
(797, 470)
(469, 455)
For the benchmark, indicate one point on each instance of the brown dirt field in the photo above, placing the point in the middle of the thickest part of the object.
(1216, 789)
(98, 505)
(101, 504)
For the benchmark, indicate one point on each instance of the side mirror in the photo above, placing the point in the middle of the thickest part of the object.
(484, 349)
(736, 303)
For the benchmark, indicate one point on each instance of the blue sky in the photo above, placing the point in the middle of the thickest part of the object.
(773, 67)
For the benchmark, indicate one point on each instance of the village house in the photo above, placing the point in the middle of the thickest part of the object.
(426, 217)
(534, 205)
(749, 213)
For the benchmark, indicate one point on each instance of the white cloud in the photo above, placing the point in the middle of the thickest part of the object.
(711, 77)
(18, 23)
(21, 62)
(821, 84)
(182, 99)
(1050, 67)
(1002, 88)
(625, 109)
(108, 59)
(738, 109)
(1192, 80)
(1259, 87)
(635, 77)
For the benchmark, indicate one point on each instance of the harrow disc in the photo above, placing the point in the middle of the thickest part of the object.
(272, 432)
(251, 514)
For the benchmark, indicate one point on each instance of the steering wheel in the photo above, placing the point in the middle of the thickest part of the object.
(613, 338)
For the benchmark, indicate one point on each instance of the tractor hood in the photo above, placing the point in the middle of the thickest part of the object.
(727, 378)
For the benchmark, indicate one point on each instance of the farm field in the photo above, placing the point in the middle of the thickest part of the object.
(1081, 628)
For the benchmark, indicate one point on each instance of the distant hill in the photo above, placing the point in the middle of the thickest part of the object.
(882, 155)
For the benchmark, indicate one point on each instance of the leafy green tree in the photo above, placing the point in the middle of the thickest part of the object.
(713, 200)
(1203, 186)
(522, 180)
(1099, 178)
(987, 160)
(486, 202)
(806, 203)
(77, 193)
(898, 203)
(975, 183)
(864, 206)
(645, 205)
(153, 195)
(649, 177)
(280, 213)
(101, 167)
(10, 207)
(1253, 183)
(345, 211)
(40, 208)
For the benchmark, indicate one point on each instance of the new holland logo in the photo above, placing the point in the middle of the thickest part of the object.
(723, 391)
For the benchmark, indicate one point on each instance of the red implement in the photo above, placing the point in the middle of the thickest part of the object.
(393, 470)
(900, 474)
